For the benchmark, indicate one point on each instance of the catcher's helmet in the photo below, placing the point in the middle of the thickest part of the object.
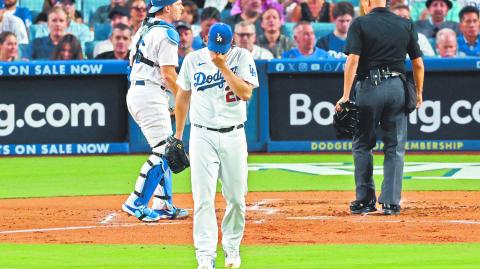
(346, 121)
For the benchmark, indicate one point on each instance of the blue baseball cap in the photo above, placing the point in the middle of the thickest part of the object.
(156, 5)
(220, 38)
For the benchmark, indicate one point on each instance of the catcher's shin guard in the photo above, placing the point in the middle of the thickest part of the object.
(150, 175)
(163, 192)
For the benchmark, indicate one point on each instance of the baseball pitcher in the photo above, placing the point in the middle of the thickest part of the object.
(217, 80)
(153, 61)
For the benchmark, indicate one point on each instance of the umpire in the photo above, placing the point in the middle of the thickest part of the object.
(377, 44)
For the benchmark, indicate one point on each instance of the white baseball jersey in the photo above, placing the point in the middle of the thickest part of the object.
(155, 39)
(213, 103)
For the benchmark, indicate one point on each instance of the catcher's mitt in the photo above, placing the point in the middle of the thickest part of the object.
(346, 121)
(176, 156)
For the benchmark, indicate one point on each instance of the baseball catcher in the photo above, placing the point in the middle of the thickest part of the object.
(346, 120)
(176, 156)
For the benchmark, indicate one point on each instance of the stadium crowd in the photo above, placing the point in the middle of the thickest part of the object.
(309, 29)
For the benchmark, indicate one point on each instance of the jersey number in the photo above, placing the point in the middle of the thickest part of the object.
(230, 96)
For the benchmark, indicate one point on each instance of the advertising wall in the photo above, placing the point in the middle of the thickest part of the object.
(58, 108)
(78, 107)
(302, 96)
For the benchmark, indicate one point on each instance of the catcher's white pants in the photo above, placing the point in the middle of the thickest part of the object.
(216, 155)
(148, 106)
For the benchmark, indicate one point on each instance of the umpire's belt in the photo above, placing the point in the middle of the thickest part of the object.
(143, 83)
(220, 130)
(384, 73)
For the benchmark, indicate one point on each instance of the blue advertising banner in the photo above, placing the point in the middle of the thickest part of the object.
(63, 149)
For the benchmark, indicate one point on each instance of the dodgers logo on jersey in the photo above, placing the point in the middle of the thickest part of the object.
(252, 71)
(203, 81)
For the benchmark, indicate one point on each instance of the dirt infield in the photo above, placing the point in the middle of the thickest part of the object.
(272, 218)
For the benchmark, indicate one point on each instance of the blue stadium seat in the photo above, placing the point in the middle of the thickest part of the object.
(34, 14)
(36, 5)
(31, 4)
(89, 7)
(320, 28)
(25, 51)
(101, 31)
(34, 29)
(89, 47)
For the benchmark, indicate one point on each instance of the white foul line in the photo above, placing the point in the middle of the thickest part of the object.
(89, 227)
(108, 218)
(385, 221)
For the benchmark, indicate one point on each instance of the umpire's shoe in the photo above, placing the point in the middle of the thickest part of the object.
(142, 213)
(390, 209)
(362, 207)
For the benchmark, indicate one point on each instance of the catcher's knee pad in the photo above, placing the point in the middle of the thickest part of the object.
(164, 188)
(150, 175)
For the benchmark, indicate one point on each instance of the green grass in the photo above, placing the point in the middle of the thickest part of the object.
(458, 256)
(104, 175)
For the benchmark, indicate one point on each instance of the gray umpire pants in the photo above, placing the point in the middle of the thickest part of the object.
(383, 106)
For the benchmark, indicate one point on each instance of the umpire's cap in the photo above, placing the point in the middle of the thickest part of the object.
(220, 38)
(156, 5)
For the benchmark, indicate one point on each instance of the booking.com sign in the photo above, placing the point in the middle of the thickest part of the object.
(429, 115)
(55, 115)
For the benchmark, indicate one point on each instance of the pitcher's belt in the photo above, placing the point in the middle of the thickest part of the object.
(220, 130)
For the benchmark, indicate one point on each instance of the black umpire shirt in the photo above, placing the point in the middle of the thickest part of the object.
(382, 39)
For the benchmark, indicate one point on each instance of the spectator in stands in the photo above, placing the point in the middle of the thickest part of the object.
(68, 48)
(245, 37)
(425, 46)
(305, 39)
(312, 11)
(438, 9)
(43, 16)
(121, 39)
(272, 37)
(138, 12)
(190, 12)
(11, 23)
(81, 31)
(8, 47)
(209, 16)
(102, 14)
(343, 13)
(190, 15)
(447, 43)
(184, 29)
(250, 12)
(469, 41)
(78, 18)
(118, 15)
(57, 24)
(72, 13)
(22, 12)
(266, 4)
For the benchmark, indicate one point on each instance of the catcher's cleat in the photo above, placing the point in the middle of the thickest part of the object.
(362, 207)
(389, 209)
(175, 213)
(142, 213)
(232, 259)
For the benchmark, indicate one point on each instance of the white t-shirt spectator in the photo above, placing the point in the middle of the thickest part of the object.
(102, 46)
(15, 25)
(260, 53)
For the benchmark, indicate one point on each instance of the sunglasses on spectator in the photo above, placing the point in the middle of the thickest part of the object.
(139, 9)
(242, 35)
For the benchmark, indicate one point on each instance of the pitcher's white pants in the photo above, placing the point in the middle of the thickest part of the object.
(215, 155)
